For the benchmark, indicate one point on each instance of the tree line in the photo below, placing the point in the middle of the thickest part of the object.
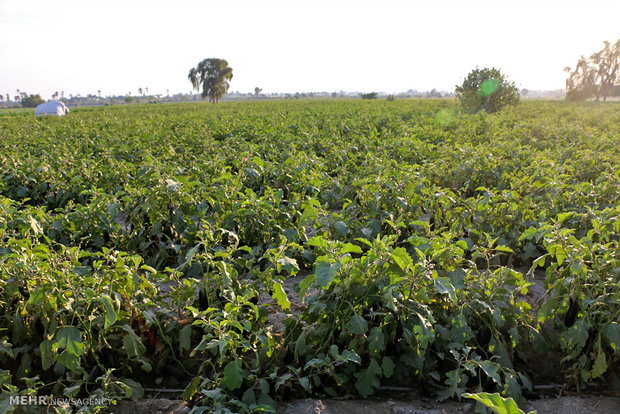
(483, 89)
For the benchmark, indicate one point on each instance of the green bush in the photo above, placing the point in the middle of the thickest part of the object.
(32, 101)
(370, 95)
(486, 89)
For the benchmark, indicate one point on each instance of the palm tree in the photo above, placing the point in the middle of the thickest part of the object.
(140, 91)
(213, 76)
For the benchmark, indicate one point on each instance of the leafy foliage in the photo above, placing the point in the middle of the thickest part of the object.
(31, 101)
(595, 76)
(369, 95)
(142, 243)
(486, 89)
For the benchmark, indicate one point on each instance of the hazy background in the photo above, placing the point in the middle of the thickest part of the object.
(119, 46)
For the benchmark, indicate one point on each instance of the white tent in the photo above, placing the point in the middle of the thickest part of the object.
(52, 108)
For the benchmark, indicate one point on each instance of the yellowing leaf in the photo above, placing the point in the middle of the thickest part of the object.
(280, 295)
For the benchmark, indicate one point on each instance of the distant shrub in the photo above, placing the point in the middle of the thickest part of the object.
(370, 95)
(128, 99)
(390, 98)
(32, 101)
(488, 90)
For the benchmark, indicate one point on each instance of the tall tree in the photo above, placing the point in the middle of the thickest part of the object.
(213, 76)
(595, 76)
(257, 91)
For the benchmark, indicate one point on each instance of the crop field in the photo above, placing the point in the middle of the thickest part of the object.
(246, 253)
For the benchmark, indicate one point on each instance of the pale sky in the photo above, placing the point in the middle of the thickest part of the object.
(118, 46)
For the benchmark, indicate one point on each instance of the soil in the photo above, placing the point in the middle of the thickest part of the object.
(562, 405)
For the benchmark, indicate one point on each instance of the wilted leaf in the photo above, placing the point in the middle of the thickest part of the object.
(599, 367)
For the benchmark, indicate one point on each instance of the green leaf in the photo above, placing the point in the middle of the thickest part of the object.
(326, 273)
(185, 337)
(612, 334)
(233, 375)
(192, 388)
(444, 286)
(300, 345)
(81, 270)
(305, 284)
(387, 364)
(574, 338)
(309, 213)
(289, 264)
(190, 255)
(528, 234)
(110, 313)
(460, 332)
(501, 248)
(599, 367)
(348, 355)
(368, 379)
(305, 383)
(357, 325)
(402, 258)
(134, 389)
(341, 228)
(563, 216)
(36, 297)
(351, 248)
(558, 252)
(133, 343)
(496, 402)
(46, 354)
(491, 370)
(376, 340)
(70, 338)
(280, 295)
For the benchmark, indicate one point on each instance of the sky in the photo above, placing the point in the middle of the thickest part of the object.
(287, 46)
